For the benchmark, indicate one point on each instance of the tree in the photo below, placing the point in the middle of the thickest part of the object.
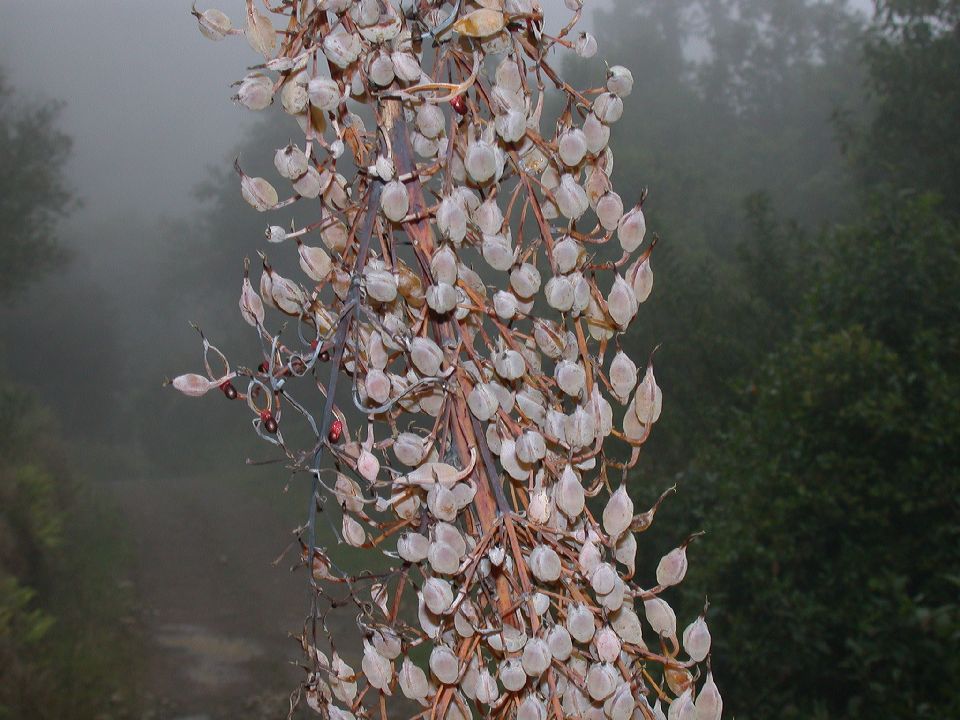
(831, 502)
(33, 192)
(912, 140)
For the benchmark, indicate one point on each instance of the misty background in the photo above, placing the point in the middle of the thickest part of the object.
(803, 162)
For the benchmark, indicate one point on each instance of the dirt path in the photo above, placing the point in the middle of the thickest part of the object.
(216, 611)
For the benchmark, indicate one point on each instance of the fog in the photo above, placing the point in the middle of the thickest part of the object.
(758, 128)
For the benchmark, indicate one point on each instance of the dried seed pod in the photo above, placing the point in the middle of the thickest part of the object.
(627, 626)
(376, 668)
(545, 564)
(413, 547)
(608, 108)
(480, 161)
(438, 595)
(486, 691)
(381, 284)
(601, 681)
(619, 81)
(580, 623)
(559, 642)
(672, 567)
(512, 675)
(426, 356)
(571, 199)
(648, 401)
(572, 147)
(536, 657)
(532, 708)
(569, 493)
(324, 93)
(395, 201)
(696, 640)
(213, 24)
(640, 276)
(661, 617)
(314, 262)
(604, 579)
(623, 376)
(483, 401)
(618, 512)
(444, 664)
(290, 161)
(409, 449)
(567, 254)
(631, 229)
(255, 92)
(413, 681)
(709, 704)
(609, 210)
(586, 45)
(442, 298)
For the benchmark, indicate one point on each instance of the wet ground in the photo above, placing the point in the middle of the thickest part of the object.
(217, 611)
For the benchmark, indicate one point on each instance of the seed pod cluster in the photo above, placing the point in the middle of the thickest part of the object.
(468, 278)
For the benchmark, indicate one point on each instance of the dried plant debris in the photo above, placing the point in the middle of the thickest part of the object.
(468, 275)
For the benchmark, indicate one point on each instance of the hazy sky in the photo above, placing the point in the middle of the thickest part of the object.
(147, 96)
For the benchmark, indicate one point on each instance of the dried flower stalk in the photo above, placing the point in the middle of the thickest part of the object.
(459, 309)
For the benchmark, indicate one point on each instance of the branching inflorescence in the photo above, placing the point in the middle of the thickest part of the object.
(461, 311)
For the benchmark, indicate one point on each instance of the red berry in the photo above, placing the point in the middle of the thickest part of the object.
(314, 343)
(336, 429)
(324, 356)
(229, 390)
(270, 425)
(459, 104)
(265, 415)
(263, 367)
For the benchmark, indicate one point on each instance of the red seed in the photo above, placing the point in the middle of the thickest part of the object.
(324, 356)
(336, 429)
(263, 367)
(459, 104)
(314, 342)
(270, 425)
(229, 390)
(265, 415)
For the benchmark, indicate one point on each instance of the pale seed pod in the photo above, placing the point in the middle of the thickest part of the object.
(498, 252)
(353, 532)
(380, 69)
(559, 293)
(386, 641)
(545, 564)
(508, 75)
(603, 579)
(608, 108)
(559, 642)
(571, 377)
(466, 619)
(213, 24)
(607, 644)
(342, 48)
(395, 201)
(335, 236)
(291, 162)
(572, 147)
(632, 229)
(509, 365)
(255, 92)
(609, 210)
(275, 234)
(596, 134)
(413, 547)
(623, 376)
(413, 680)
(442, 298)
(438, 595)
(586, 45)
(258, 193)
(683, 707)
(324, 93)
(309, 184)
(567, 254)
(621, 705)
(343, 689)
(532, 708)
(580, 623)
(452, 219)
(193, 385)
(381, 285)
(571, 198)
(621, 302)
(430, 120)
(601, 681)
(443, 265)
(696, 640)
(505, 305)
(409, 449)
(627, 626)
(483, 402)
(589, 558)
(536, 657)
(618, 513)
(511, 125)
(626, 551)
(569, 493)
(672, 567)
(648, 401)
(251, 306)
(377, 384)
(488, 217)
(525, 280)
(442, 503)
(486, 691)
(619, 81)
(406, 66)
(376, 668)
(314, 262)
(480, 161)
(709, 704)
(661, 617)
(293, 97)
(531, 447)
(444, 664)
(640, 276)
(512, 675)
(580, 428)
(443, 558)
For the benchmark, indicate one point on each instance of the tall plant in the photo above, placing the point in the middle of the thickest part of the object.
(461, 320)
